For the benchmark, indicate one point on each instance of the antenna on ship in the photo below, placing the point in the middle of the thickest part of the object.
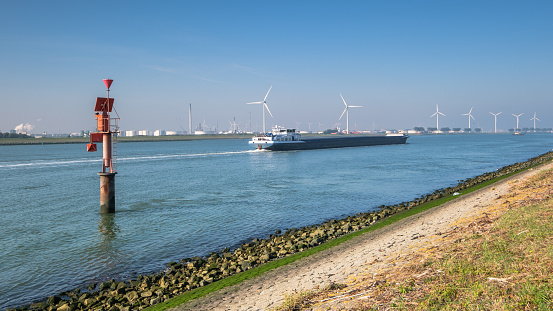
(263, 107)
(346, 111)
(105, 130)
(437, 113)
(495, 123)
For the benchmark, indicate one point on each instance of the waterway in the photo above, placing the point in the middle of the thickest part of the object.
(182, 199)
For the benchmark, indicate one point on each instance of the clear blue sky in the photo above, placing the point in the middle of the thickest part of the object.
(397, 59)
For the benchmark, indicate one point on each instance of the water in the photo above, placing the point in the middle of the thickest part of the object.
(183, 199)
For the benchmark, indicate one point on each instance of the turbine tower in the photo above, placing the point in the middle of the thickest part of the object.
(534, 118)
(495, 117)
(263, 106)
(437, 114)
(469, 114)
(517, 119)
(346, 111)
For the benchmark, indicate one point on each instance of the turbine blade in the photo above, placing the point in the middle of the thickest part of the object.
(472, 116)
(253, 103)
(441, 113)
(434, 114)
(265, 104)
(343, 100)
(264, 99)
(355, 106)
(343, 113)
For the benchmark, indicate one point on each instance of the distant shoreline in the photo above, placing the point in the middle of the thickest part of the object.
(84, 140)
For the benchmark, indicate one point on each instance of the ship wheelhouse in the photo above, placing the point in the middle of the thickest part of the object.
(278, 135)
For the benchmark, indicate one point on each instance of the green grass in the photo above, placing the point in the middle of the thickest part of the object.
(252, 273)
(511, 268)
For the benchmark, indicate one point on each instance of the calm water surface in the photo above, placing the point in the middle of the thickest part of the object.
(185, 199)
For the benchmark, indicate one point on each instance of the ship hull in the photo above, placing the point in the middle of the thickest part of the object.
(335, 142)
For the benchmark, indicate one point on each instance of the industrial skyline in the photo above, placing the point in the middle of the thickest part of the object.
(396, 59)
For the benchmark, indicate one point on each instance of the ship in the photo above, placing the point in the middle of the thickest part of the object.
(283, 139)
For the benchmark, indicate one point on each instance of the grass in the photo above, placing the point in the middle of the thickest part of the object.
(511, 268)
(249, 274)
(506, 264)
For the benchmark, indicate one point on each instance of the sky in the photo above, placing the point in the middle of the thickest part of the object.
(396, 59)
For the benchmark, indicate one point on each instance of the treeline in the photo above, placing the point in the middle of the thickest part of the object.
(13, 135)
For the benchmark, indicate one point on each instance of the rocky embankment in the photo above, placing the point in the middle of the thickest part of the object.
(191, 273)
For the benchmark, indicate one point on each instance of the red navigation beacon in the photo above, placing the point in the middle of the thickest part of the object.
(106, 129)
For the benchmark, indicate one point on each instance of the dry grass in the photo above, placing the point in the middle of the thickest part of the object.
(502, 260)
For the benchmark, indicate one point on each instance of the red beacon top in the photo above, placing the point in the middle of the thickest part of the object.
(107, 82)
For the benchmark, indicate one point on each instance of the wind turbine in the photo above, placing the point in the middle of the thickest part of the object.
(320, 124)
(298, 126)
(469, 114)
(346, 111)
(517, 119)
(263, 106)
(534, 118)
(309, 126)
(495, 117)
(437, 114)
(233, 126)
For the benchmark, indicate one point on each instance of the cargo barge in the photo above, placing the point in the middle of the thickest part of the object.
(282, 139)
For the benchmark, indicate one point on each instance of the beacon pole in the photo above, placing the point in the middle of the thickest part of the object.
(104, 135)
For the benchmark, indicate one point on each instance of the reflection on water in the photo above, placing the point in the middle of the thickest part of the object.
(108, 229)
(108, 252)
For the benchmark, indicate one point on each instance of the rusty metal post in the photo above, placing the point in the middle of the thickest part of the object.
(106, 145)
(107, 192)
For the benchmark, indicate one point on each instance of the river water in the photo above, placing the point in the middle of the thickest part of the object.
(182, 199)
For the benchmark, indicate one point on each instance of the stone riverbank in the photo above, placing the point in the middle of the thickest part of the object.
(191, 273)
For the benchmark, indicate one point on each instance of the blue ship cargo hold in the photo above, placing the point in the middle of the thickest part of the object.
(282, 139)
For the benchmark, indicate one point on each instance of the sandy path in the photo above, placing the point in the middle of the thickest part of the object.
(371, 251)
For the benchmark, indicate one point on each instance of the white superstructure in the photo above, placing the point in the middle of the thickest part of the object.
(279, 135)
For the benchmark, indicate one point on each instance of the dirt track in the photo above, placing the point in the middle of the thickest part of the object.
(363, 255)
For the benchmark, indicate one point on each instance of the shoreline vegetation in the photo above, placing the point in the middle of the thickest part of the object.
(191, 278)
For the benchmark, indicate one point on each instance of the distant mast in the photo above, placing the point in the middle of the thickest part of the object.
(190, 119)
